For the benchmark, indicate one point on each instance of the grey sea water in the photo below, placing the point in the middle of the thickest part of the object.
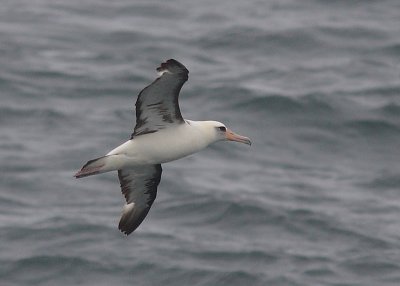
(314, 201)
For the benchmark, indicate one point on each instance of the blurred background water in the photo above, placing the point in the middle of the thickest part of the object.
(314, 201)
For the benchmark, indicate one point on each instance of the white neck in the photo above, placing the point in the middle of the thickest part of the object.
(203, 132)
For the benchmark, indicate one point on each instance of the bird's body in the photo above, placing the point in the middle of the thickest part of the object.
(165, 145)
(161, 135)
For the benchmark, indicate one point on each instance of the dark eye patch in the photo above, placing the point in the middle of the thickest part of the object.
(222, 128)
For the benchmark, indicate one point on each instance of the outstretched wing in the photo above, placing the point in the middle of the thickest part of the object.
(157, 105)
(139, 186)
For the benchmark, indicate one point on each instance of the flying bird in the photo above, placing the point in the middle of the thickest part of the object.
(161, 135)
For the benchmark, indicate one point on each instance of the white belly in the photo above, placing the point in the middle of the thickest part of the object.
(163, 146)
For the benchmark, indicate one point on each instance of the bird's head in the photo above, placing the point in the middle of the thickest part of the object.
(221, 133)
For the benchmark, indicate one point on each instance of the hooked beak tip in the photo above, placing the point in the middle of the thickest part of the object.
(231, 136)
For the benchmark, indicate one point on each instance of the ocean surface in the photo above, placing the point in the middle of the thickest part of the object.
(314, 201)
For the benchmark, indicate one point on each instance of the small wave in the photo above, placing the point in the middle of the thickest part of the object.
(370, 265)
(123, 36)
(319, 272)
(215, 211)
(391, 109)
(41, 269)
(352, 32)
(322, 226)
(54, 261)
(372, 127)
(252, 256)
(391, 49)
(11, 202)
(238, 278)
(240, 37)
(283, 105)
(57, 230)
(385, 182)
(13, 114)
(386, 90)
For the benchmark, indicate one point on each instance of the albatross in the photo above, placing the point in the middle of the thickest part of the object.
(161, 135)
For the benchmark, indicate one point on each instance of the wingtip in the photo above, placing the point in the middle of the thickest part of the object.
(172, 66)
(126, 233)
(125, 230)
(125, 226)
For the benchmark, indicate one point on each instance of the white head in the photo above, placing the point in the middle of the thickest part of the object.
(217, 131)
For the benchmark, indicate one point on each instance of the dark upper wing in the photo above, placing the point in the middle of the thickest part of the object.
(139, 186)
(157, 105)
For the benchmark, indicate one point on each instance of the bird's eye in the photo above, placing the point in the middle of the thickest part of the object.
(222, 128)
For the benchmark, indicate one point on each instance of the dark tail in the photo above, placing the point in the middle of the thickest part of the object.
(92, 167)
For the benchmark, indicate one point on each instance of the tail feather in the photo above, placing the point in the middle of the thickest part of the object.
(92, 167)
